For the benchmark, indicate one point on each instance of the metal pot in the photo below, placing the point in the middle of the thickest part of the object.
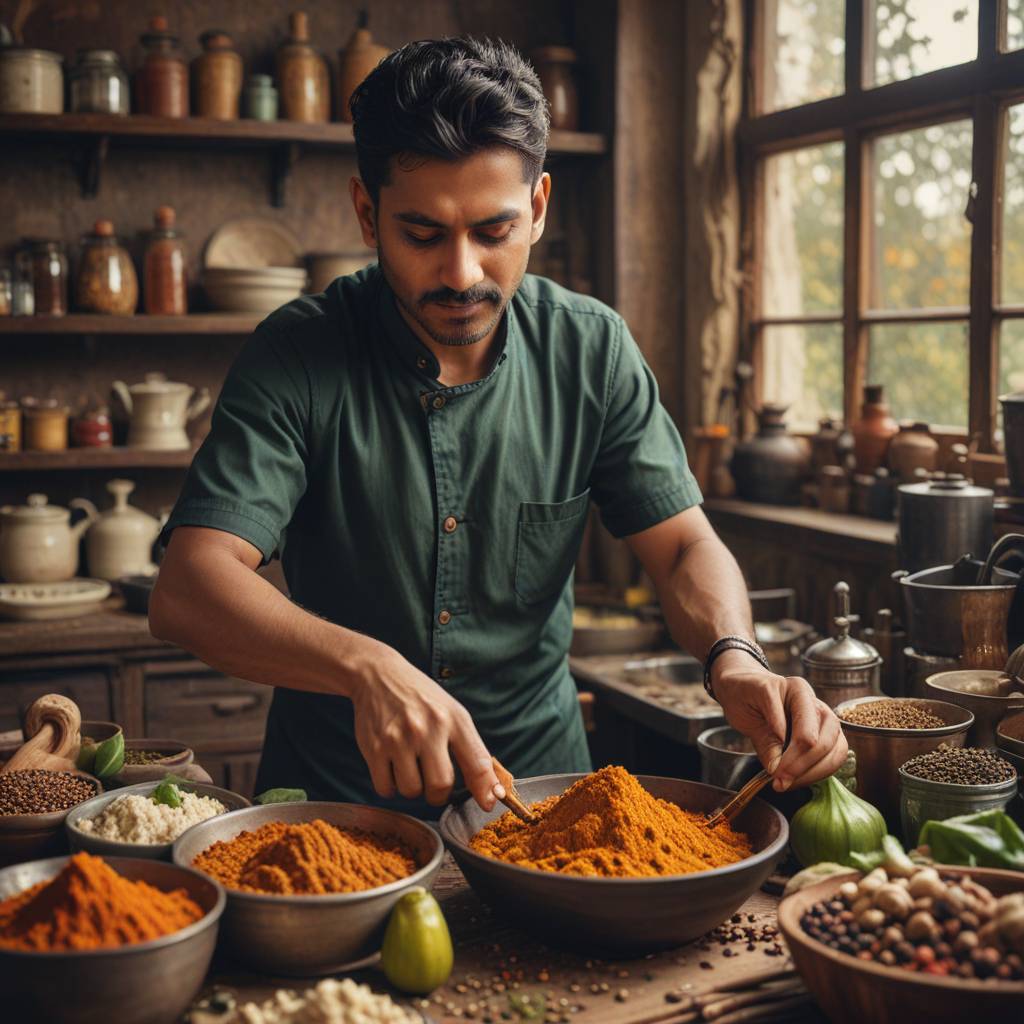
(727, 757)
(840, 667)
(987, 693)
(942, 519)
(782, 643)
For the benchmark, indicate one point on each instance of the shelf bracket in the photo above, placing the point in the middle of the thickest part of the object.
(90, 165)
(282, 159)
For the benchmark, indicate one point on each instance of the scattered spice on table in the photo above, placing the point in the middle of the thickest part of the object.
(309, 858)
(892, 714)
(965, 766)
(90, 906)
(38, 791)
(134, 818)
(608, 825)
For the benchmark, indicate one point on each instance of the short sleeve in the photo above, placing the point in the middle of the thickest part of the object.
(640, 476)
(250, 473)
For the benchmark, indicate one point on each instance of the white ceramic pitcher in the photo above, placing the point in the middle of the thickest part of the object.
(159, 409)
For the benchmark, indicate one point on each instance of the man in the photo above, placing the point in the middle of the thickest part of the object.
(421, 443)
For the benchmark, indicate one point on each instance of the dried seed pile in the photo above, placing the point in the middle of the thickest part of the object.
(964, 766)
(36, 791)
(143, 756)
(892, 714)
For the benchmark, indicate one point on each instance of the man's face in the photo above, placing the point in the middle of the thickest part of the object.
(453, 239)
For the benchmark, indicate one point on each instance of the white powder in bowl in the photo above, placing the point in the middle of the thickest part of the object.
(331, 1002)
(136, 819)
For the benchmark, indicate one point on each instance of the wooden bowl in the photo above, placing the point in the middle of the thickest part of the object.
(852, 991)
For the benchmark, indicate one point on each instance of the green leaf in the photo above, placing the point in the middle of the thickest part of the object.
(109, 758)
(167, 793)
(86, 755)
(281, 795)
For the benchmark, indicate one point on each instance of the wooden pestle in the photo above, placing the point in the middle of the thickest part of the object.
(53, 736)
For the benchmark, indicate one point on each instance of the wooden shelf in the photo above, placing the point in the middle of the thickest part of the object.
(95, 458)
(90, 323)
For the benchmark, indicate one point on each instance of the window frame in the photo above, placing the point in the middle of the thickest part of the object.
(981, 90)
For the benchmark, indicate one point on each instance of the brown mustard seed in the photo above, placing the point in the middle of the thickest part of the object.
(37, 791)
(892, 714)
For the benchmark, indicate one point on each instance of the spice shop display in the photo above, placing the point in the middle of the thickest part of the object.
(892, 714)
(97, 83)
(161, 83)
(165, 267)
(217, 77)
(106, 275)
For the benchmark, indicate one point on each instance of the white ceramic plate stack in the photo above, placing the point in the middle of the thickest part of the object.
(64, 600)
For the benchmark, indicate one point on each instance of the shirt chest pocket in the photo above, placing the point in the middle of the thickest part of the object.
(547, 541)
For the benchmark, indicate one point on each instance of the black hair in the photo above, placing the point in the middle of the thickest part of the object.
(448, 99)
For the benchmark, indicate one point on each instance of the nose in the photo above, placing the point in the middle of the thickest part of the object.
(461, 269)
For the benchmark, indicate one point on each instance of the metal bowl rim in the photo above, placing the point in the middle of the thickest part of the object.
(48, 819)
(908, 581)
(209, 918)
(324, 899)
(876, 730)
(702, 742)
(975, 788)
(968, 693)
(772, 850)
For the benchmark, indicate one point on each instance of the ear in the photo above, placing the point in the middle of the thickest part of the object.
(541, 195)
(365, 211)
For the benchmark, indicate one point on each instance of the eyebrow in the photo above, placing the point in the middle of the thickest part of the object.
(423, 221)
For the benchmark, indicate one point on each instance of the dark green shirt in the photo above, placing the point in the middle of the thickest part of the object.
(444, 521)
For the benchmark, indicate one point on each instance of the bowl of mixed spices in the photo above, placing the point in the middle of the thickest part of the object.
(33, 805)
(86, 939)
(615, 862)
(310, 884)
(884, 732)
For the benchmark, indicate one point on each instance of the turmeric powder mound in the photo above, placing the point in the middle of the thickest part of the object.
(90, 906)
(608, 825)
(311, 858)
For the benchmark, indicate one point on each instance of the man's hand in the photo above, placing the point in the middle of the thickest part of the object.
(408, 728)
(759, 703)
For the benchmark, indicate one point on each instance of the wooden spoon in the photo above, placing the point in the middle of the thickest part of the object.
(512, 800)
(729, 810)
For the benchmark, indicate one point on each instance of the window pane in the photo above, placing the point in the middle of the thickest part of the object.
(803, 368)
(1014, 24)
(804, 48)
(922, 244)
(803, 231)
(913, 37)
(1011, 356)
(924, 370)
(1012, 276)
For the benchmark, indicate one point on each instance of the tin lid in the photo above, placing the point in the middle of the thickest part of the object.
(259, 81)
(952, 486)
(841, 651)
(97, 57)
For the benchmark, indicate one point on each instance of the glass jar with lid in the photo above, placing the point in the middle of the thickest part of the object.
(44, 262)
(164, 271)
(98, 83)
(260, 98)
(161, 84)
(106, 276)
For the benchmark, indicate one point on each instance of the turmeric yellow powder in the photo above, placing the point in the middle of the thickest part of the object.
(608, 825)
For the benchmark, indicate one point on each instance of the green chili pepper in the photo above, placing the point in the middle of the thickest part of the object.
(989, 839)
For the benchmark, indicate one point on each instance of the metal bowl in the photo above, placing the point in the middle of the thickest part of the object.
(624, 915)
(311, 935)
(79, 840)
(727, 757)
(1010, 734)
(880, 752)
(147, 983)
(987, 693)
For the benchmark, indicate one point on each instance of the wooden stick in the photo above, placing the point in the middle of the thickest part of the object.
(693, 1004)
(725, 1006)
(780, 1011)
(755, 979)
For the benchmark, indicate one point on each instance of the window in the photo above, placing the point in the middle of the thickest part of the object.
(883, 141)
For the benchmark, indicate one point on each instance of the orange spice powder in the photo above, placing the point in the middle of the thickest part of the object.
(608, 825)
(311, 858)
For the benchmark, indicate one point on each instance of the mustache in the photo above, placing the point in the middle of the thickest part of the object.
(479, 293)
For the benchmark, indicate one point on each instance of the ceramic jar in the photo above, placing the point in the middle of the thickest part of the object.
(38, 544)
(161, 84)
(554, 66)
(97, 84)
(45, 424)
(92, 429)
(771, 466)
(912, 450)
(120, 541)
(44, 262)
(10, 425)
(302, 75)
(873, 431)
(217, 77)
(31, 81)
(360, 56)
(159, 410)
(106, 275)
(164, 268)
(260, 98)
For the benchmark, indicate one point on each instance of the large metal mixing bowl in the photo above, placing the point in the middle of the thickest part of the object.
(311, 935)
(622, 915)
(987, 693)
(148, 983)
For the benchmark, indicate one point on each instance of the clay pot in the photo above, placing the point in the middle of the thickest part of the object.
(302, 76)
(912, 449)
(360, 56)
(771, 466)
(873, 431)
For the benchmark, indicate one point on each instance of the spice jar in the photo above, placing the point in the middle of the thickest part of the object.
(23, 300)
(92, 428)
(106, 277)
(260, 98)
(302, 75)
(217, 77)
(31, 81)
(360, 56)
(6, 294)
(554, 66)
(45, 261)
(164, 268)
(10, 425)
(161, 84)
(98, 83)
(873, 431)
(45, 423)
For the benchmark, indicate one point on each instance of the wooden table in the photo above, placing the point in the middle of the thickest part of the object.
(495, 960)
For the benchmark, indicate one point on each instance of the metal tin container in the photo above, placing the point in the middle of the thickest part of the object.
(942, 519)
(922, 800)
(782, 643)
(920, 666)
(727, 757)
(31, 81)
(841, 668)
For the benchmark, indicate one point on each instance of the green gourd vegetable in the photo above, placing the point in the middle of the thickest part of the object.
(834, 824)
(417, 953)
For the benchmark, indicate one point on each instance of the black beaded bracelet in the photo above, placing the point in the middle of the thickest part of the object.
(731, 643)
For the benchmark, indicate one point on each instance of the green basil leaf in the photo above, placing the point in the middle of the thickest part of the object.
(281, 795)
(109, 758)
(167, 793)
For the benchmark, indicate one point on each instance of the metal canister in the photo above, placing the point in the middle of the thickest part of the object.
(841, 667)
(727, 757)
(942, 519)
(922, 800)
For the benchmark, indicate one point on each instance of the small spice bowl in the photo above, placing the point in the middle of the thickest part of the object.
(80, 840)
(727, 757)
(881, 751)
(174, 757)
(987, 693)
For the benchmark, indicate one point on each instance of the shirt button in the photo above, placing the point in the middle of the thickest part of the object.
(446, 673)
(445, 617)
(421, 363)
(439, 402)
(450, 524)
